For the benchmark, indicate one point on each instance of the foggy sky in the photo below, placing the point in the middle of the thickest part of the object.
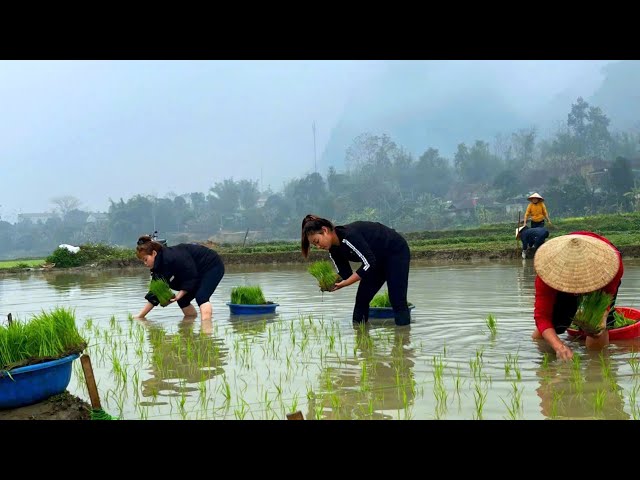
(110, 129)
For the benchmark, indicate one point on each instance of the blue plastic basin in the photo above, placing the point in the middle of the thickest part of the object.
(34, 383)
(239, 309)
(384, 312)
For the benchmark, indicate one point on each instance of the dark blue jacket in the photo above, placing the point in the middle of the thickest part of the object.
(184, 264)
(365, 242)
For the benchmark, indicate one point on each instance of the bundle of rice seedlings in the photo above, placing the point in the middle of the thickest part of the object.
(621, 321)
(591, 308)
(47, 336)
(381, 300)
(326, 275)
(161, 289)
(249, 295)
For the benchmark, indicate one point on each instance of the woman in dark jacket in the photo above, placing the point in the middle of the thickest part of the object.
(194, 270)
(384, 255)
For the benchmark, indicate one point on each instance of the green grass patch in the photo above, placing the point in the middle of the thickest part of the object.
(20, 263)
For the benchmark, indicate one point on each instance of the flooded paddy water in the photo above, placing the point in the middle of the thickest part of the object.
(308, 356)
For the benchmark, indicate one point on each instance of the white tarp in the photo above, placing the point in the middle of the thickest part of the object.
(71, 248)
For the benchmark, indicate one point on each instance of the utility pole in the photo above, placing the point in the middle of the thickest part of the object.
(315, 165)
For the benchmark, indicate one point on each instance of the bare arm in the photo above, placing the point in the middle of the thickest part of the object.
(146, 309)
(345, 283)
(178, 296)
(563, 352)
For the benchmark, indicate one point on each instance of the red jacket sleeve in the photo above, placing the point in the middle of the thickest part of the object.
(543, 308)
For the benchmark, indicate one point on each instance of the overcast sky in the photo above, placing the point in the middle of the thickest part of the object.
(110, 129)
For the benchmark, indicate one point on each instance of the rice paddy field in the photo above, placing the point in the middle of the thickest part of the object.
(468, 353)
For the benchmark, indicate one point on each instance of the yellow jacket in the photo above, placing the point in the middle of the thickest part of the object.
(536, 211)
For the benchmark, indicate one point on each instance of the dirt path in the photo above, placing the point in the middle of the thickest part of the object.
(59, 407)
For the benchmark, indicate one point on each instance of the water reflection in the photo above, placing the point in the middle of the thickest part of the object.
(378, 383)
(63, 281)
(586, 388)
(181, 360)
(251, 325)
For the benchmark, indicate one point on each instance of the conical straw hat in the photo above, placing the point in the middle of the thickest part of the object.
(576, 263)
(535, 195)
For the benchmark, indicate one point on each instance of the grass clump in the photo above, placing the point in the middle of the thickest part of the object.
(326, 275)
(47, 336)
(248, 295)
(161, 289)
(591, 310)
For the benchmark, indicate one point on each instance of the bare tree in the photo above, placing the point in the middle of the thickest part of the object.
(66, 203)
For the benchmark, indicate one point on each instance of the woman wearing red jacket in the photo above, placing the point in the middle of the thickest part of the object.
(567, 267)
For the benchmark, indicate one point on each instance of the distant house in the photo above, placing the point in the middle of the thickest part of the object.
(97, 217)
(262, 199)
(35, 217)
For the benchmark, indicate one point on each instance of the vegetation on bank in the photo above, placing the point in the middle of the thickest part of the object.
(21, 263)
(622, 229)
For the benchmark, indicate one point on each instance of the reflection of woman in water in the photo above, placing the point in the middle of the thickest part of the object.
(181, 357)
(378, 381)
(571, 391)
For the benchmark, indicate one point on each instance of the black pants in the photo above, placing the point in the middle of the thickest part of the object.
(534, 242)
(394, 269)
(537, 224)
(208, 283)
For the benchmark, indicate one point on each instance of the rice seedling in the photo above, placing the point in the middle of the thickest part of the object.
(555, 400)
(633, 401)
(324, 272)
(458, 381)
(545, 360)
(621, 321)
(604, 366)
(161, 289)
(248, 295)
(514, 409)
(492, 324)
(576, 379)
(241, 413)
(598, 400)
(46, 336)
(382, 300)
(480, 398)
(634, 363)
(591, 310)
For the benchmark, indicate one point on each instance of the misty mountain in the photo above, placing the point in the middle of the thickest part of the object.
(619, 95)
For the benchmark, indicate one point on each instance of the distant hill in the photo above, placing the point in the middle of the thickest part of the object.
(440, 104)
(619, 95)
